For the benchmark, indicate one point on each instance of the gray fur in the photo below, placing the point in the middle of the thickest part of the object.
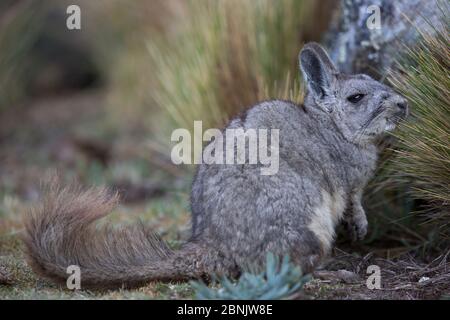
(327, 146)
(327, 155)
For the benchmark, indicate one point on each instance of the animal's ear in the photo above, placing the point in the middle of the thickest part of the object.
(318, 70)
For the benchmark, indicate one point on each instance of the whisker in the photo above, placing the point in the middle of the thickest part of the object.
(374, 116)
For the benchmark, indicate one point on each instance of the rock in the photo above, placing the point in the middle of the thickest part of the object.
(356, 48)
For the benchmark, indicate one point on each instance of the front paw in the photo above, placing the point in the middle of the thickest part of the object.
(356, 230)
(361, 229)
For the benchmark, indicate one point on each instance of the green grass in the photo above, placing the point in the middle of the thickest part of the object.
(422, 158)
(407, 203)
(228, 54)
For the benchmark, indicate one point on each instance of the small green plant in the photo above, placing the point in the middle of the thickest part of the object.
(280, 280)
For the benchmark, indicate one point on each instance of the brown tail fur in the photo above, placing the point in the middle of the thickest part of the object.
(61, 232)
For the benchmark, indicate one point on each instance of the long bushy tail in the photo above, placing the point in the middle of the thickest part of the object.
(61, 232)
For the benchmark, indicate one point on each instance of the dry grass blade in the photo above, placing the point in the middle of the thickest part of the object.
(423, 155)
(229, 55)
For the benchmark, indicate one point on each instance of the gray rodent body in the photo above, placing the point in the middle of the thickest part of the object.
(327, 154)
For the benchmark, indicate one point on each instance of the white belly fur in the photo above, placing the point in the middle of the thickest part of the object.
(326, 216)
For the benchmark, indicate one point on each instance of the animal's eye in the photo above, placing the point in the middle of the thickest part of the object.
(355, 98)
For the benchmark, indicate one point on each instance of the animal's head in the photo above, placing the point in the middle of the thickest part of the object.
(362, 108)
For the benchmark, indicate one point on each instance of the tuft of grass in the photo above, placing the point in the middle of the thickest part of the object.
(19, 28)
(422, 158)
(228, 55)
(118, 34)
(280, 280)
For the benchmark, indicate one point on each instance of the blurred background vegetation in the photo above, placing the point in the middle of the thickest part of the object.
(99, 104)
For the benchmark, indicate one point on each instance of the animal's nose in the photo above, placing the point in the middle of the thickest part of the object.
(402, 105)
